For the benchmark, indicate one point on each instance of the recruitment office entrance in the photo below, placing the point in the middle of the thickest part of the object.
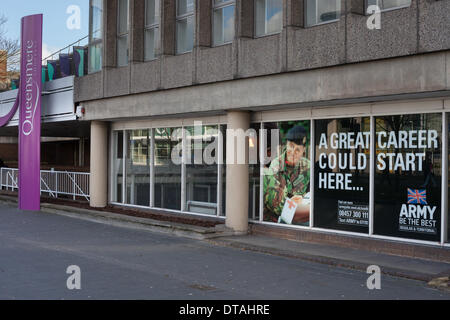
(377, 170)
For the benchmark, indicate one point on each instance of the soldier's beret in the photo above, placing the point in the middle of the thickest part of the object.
(297, 134)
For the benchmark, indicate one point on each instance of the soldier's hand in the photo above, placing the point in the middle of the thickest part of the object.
(297, 199)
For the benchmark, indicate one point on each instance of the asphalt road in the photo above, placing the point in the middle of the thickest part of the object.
(121, 263)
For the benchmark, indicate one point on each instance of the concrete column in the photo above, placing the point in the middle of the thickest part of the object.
(99, 164)
(237, 173)
(137, 22)
(168, 12)
(110, 34)
(295, 13)
(245, 18)
(203, 31)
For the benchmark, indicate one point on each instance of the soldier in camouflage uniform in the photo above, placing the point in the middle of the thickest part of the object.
(288, 177)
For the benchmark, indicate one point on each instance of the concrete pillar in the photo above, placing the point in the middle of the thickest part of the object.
(245, 18)
(99, 164)
(110, 33)
(137, 22)
(168, 12)
(203, 11)
(295, 13)
(237, 173)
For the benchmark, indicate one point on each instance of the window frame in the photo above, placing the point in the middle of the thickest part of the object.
(227, 3)
(305, 15)
(123, 35)
(91, 42)
(263, 117)
(152, 26)
(184, 16)
(266, 34)
(366, 5)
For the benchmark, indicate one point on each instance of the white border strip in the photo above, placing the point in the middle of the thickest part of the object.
(312, 152)
(444, 179)
(372, 175)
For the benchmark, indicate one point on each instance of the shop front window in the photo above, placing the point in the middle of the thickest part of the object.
(117, 167)
(167, 172)
(286, 190)
(341, 170)
(448, 181)
(254, 167)
(202, 169)
(407, 189)
(223, 168)
(138, 167)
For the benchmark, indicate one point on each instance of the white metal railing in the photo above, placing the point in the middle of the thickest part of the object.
(53, 183)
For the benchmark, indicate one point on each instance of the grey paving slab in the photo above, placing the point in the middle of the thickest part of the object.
(416, 268)
(125, 263)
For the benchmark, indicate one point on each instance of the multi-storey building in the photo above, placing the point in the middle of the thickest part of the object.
(345, 112)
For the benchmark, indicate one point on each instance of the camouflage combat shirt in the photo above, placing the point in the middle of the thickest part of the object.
(282, 181)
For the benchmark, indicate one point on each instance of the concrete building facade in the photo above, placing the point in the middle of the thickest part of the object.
(348, 122)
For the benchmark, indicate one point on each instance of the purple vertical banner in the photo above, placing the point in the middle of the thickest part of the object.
(30, 114)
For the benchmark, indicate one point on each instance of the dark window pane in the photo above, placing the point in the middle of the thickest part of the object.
(201, 170)
(408, 176)
(167, 172)
(287, 175)
(138, 167)
(342, 168)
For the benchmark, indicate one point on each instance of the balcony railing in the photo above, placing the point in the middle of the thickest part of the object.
(53, 183)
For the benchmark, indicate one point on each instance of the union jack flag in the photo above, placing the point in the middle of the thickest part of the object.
(417, 196)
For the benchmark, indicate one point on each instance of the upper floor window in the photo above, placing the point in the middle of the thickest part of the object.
(151, 32)
(268, 17)
(223, 21)
(185, 25)
(95, 35)
(322, 11)
(122, 33)
(388, 4)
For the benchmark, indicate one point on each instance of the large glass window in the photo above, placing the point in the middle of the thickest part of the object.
(117, 167)
(185, 25)
(151, 29)
(223, 21)
(202, 169)
(95, 35)
(287, 176)
(122, 33)
(319, 11)
(167, 172)
(408, 176)
(138, 167)
(222, 167)
(254, 166)
(341, 170)
(268, 17)
(389, 4)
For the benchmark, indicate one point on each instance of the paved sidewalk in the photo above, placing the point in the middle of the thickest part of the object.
(435, 273)
(411, 268)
